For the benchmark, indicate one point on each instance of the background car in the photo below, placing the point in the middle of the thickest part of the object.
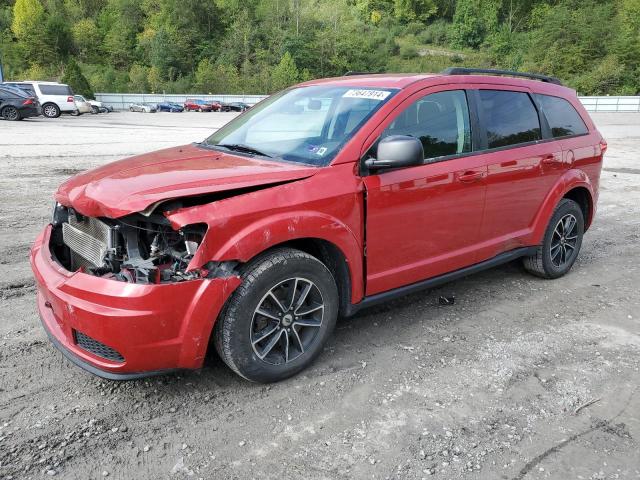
(142, 107)
(82, 105)
(169, 107)
(55, 98)
(216, 106)
(235, 107)
(192, 104)
(16, 104)
(99, 107)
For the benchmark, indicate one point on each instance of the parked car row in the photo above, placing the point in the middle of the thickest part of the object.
(190, 105)
(26, 99)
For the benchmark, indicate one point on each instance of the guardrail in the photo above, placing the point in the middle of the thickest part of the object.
(121, 101)
(611, 104)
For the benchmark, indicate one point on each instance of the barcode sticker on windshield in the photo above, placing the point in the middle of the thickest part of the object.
(370, 94)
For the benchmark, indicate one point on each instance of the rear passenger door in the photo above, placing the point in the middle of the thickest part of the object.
(521, 166)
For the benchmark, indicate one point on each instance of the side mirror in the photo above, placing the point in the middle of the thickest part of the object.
(397, 151)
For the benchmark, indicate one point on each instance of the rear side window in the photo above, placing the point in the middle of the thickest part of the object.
(24, 87)
(510, 118)
(56, 90)
(13, 92)
(563, 119)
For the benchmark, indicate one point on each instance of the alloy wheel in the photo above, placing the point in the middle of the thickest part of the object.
(287, 321)
(50, 111)
(10, 113)
(564, 241)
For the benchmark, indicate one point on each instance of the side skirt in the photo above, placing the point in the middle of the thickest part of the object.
(383, 297)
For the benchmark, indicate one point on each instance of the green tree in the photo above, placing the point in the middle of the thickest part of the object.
(473, 21)
(28, 17)
(76, 80)
(87, 40)
(138, 75)
(285, 73)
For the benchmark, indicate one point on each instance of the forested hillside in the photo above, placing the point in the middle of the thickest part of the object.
(260, 46)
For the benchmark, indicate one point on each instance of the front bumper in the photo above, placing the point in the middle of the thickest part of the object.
(155, 328)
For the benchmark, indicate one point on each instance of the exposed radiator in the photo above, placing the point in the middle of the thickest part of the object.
(88, 239)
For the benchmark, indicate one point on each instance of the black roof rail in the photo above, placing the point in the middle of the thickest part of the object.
(351, 74)
(489, 71)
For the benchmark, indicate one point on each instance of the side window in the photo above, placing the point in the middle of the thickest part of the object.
(439, 120)
(562, 117)
(510, 118)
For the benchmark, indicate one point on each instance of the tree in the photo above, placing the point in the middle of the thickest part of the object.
(285, 73)
(138, 78)
(76, 80)
(473, 20)
(28, 17)
(87, 40)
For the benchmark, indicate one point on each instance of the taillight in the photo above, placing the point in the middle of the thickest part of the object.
(28, 101)
(603, 146)
(70, 99)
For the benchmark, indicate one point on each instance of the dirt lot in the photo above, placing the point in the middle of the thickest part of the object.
(521, 378)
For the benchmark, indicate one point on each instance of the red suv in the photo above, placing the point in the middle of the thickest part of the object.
(323, 199)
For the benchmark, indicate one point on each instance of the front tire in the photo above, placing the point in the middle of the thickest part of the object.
(277, 321)
(561, 243)
(50, 110)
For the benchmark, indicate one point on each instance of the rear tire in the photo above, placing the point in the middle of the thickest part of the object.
(11, 113)
(277, 321)
(50, 110)
(561, 243)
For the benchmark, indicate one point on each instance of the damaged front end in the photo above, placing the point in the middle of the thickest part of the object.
(135, 249)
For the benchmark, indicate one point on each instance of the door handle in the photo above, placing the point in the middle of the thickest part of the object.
(470, 177)
(551, 160)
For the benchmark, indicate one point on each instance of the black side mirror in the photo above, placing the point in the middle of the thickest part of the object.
(397, 151)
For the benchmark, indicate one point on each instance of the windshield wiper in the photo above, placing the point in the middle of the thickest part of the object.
(242, 148)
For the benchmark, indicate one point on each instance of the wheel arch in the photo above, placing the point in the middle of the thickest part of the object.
(582, 196)
(332, 257)
(575, 185)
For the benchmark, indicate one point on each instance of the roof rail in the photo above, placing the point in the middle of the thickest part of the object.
(488, 71)
(351, 74)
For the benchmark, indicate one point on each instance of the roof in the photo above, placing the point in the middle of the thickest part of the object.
(386, 80)
(403, 80)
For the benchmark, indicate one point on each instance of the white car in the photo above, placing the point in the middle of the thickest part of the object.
(82, 105)
(55, 98)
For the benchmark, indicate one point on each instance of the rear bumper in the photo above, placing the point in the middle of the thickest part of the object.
(153, 328)
(30, 111)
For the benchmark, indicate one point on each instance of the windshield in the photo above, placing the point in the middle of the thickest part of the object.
(306, 125)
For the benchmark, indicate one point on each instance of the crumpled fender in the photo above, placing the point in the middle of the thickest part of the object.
(239, 228)
(569, 180)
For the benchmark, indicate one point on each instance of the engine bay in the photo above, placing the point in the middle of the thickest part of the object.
(134, 249)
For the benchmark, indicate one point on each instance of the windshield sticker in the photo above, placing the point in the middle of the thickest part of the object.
(369, 94)
(321, 151)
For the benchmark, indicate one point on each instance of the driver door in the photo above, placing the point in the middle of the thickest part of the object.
(424, 221)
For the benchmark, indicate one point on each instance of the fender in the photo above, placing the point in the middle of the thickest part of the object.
(252, 223)
(569, 180)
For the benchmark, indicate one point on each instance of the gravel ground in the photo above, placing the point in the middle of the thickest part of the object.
(520, 378)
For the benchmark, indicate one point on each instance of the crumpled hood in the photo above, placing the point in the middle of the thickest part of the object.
(133, 184)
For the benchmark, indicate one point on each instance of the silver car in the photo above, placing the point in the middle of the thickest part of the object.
(142, 107)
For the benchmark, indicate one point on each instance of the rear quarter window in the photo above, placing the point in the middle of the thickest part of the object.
(64, 90)
(510, 118)
(563, 118)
